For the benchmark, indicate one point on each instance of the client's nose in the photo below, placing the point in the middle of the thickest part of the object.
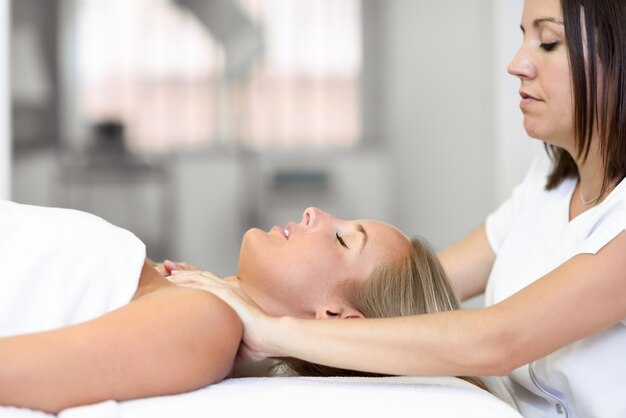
(311, 216)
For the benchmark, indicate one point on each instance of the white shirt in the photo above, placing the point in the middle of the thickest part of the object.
(531, 234)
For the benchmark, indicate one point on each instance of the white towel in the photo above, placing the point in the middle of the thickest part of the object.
(60, 267)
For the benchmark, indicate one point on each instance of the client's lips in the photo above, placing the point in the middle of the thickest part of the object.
(289, 229)
(282, 231)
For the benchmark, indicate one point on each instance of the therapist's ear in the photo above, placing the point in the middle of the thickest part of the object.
(337, 312)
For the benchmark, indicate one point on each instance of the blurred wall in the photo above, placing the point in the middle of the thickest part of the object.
(5, 127)
(437, 69)
(513, 149)
(451, 112)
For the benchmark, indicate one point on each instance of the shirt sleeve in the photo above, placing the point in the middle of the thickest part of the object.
(499, 222)
(612, 224)
(608, 226)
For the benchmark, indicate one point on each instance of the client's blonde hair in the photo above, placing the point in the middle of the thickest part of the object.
(415, 285)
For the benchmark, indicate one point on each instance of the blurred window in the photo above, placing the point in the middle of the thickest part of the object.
(155, 66)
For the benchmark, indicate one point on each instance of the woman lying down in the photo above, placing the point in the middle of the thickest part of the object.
(84, 317)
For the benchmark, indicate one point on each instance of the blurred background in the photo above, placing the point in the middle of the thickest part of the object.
(190, 121)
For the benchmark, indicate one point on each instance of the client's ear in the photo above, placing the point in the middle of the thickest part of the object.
(337, 312)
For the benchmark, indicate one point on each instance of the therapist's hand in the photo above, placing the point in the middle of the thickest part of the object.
(255, 321)
(167, 266)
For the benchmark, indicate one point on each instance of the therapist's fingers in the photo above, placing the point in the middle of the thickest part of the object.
(177, 272)
(198, 280)
(227, 289)
(183, 276)
(246, 354)
(170, 266)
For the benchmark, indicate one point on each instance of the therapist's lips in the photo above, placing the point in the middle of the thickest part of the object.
(527, 99)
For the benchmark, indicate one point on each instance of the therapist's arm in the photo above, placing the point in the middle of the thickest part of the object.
(468, 264)
(583, 296)
(168, 341)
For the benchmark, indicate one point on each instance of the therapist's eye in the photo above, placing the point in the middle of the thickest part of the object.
(341, 241)
(549, 46)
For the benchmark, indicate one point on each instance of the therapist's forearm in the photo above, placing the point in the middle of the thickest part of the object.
(397, 346)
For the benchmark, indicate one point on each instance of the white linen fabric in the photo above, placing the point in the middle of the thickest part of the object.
(61, 267)
(12, 412)
(531, 235)
(306, 397)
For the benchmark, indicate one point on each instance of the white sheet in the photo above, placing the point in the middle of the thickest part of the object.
(303, 397)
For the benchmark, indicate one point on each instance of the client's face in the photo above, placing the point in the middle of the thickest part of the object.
(298, 269)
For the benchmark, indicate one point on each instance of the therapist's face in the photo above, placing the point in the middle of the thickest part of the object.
(542, 66)
(298, 269)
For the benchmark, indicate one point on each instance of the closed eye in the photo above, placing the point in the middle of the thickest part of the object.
(341, 241)
(549, 46)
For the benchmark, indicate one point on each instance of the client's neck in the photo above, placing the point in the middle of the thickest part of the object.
(261, 297)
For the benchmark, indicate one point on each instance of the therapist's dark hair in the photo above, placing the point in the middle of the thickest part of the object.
(595, 29)
(415, 285)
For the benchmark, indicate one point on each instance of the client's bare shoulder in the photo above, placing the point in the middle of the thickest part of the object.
(216, 328)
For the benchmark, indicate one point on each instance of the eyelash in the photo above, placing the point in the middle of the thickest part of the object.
(341, 241)
(548, 47)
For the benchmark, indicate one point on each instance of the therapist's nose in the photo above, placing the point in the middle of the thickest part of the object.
(522, 66)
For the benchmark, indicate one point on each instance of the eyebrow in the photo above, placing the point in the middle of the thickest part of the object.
(538, 22)
(359, 227)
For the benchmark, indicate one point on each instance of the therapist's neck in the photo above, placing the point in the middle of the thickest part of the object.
(591, 172)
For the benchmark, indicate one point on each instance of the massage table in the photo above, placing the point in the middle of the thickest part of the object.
(308, 397)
